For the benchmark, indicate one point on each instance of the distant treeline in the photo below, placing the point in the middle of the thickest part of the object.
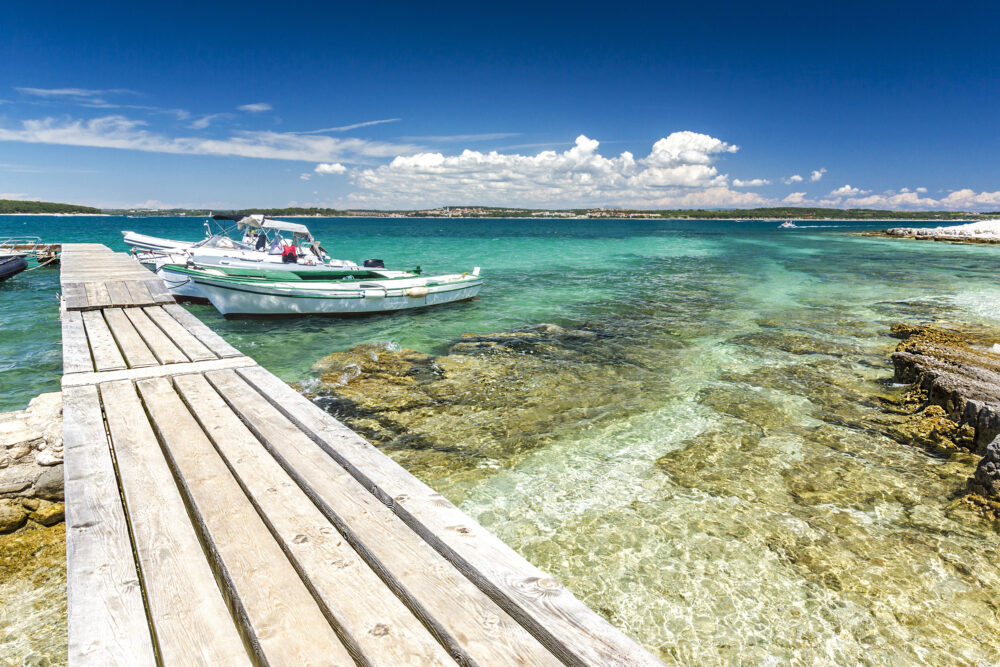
(784, 212)
(18, 206)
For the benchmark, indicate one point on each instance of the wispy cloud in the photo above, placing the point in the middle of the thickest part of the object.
(129, 134)
(94, 99)
(202, 122)
(794, 178)
(13, 195)
(74, 92)
(464, 137)
(345, 128)
(256, 107)
(751, 183)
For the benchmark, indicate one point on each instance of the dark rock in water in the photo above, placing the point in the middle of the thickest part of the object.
(955, 378)
(987, 479)
(489, 398)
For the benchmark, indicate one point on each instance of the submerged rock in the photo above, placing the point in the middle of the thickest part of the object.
(487, 399)
(955, 378)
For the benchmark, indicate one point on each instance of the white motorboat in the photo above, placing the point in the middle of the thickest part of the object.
(341, 292)
(142, 242)
(787, 224)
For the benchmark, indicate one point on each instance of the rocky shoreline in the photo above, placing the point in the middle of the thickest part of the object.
(955, 384)
(31, 464)
(985, 232)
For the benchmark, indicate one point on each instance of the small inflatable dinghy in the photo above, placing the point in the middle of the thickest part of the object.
(11, 265)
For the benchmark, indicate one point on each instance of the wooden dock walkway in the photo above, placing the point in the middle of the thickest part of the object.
(215, 516)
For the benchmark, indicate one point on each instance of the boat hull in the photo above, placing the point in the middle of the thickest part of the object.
(153, 243)
(246, 300)
(12, 265)
(181, 286)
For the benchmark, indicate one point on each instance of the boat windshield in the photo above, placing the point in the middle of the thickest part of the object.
(222, 243)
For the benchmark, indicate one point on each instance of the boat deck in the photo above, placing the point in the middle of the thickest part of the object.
(216, 516)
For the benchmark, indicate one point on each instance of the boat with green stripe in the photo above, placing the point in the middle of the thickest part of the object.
(242, 291)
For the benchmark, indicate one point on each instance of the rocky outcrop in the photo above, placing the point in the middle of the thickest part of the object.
(984, 231)
(956, 377)
(31, 464)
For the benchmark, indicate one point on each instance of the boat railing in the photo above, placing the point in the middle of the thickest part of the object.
(12, 242)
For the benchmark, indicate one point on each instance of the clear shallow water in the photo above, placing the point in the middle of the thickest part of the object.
(714, 479)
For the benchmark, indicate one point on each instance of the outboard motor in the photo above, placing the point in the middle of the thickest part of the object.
(374, 264)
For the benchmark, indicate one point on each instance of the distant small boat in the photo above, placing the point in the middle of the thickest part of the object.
(11, 265)
(787, 224)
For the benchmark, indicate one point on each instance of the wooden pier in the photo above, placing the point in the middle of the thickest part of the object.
(215, 516)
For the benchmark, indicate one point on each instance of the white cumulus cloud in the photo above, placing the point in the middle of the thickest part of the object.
(848, 191)
(751, 183)
(679, 171)
(817, 174)
(334, 168)
(794, 178)
(795, 198)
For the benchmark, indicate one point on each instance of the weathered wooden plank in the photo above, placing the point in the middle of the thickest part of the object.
(159, 291)
(460, 615)
(105, 613)
(537, 601)
(140, 293)
(282, 618)
(193, 348)
(371, 619)
(79, 379)
(76, 351)
(137, 353)
(107, 356)
(119, 293)
(75, 295)
(97, 295)
(161, 345)
(214, 341)
(189, 615)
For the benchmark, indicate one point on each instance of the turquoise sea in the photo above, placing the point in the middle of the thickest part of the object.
(697, 453)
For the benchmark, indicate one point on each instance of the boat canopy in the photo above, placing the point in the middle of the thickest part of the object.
(260, 222)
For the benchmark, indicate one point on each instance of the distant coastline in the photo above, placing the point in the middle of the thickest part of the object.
(18, 207)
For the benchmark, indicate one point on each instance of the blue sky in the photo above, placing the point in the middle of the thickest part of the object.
(544, 104)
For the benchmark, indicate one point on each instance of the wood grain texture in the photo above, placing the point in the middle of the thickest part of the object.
(159, 291)
(107, 356)
(75, 295)
(467, 621)
(285, 623)
(191, 621)
(193, 348)
(139, 292)
(536, 600)
(118, 293)
(372, 622)
(78, 379)
(159, 343)
(97, 295)
(75, 350)
(214, 341)
(106, 618)
(137, 354)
